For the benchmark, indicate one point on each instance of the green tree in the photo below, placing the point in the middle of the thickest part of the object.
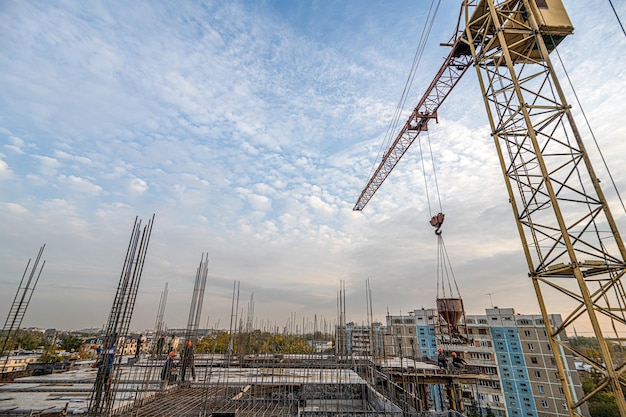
(603, 403)
(69, 342)
(50, 356)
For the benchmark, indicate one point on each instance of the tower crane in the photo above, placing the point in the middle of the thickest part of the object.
(575, 253)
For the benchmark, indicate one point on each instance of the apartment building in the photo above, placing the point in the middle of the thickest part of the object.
(511, 352)
(527, 366)
(360, 340)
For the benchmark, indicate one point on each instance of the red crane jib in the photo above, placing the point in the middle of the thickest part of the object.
(453, 68)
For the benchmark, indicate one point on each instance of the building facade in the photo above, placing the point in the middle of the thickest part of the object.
(511, 352)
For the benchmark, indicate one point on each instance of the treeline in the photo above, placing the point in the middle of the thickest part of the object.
(603, 403)
(257, 342)
(29, 340)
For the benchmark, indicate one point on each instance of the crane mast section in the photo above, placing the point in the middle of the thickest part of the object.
(453, 68)
(575, 254)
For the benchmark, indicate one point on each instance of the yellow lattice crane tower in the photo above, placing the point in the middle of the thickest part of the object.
(575, 254)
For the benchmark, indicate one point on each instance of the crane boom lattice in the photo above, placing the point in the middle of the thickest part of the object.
(447, 77)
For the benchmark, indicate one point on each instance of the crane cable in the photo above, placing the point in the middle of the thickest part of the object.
(417, 58)
(617, 16)
(444, 266)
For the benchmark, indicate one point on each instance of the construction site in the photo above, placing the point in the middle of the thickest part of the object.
(430, 362)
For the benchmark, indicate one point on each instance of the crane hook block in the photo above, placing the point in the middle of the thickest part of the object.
(437, 221)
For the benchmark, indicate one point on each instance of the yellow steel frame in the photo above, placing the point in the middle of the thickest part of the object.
(574, 251)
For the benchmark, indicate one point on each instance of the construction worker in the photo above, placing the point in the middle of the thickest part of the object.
(188, 361)
(457, 361)
(140, 341)
(442, 361)
(106, 359)
(159, 346)
(168, 373)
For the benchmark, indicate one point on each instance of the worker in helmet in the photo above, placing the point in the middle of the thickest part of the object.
(188, 361)
(442, 361)
(457, 361)
(168, 373)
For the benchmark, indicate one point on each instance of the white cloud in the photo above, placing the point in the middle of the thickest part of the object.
(47, 165)
(79, 184)
(5, 172)
(250, 131)
(137, 185)
(15, 208)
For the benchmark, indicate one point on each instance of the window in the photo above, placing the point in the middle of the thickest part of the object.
(531, 346)
(564, 406)
(496, 398)
(549, 347)
(541, 389)
(538, 374)
(541, 4)
(533, 359)
(527, 333)
(544, 403)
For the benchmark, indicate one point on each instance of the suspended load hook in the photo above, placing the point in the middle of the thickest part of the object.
(437, 221)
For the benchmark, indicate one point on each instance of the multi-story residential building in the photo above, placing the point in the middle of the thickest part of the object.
(527, 365)
(511, 353)
(360, 340)
(412, 336)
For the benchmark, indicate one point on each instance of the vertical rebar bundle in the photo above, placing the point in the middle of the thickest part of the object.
(193, 322)
(20, 304)
(102, 396)
(197, 299)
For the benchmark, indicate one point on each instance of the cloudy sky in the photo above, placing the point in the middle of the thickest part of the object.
(249, 128)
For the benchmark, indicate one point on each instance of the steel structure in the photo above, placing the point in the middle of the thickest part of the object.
(197, 300)
(20, 304)
(575, 254)
(449, 74)
(102, 398)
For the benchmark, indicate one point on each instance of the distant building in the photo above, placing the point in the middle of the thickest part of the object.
(320, 346)
(16, 363)
(360, 340)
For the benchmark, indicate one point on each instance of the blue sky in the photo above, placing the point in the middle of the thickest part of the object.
(250, 128)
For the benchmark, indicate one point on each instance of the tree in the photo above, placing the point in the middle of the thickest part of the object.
(69, 342)
(603, 403)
